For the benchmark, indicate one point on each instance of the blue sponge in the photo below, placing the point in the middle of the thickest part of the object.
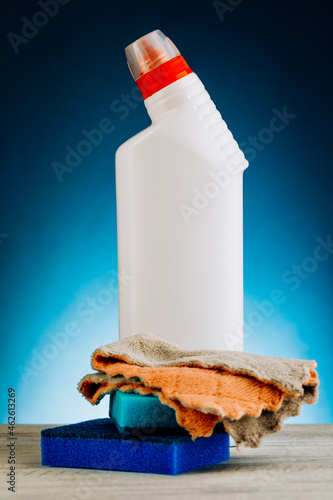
(97, 444)
(130, 410)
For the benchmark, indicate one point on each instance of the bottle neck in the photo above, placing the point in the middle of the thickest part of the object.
(170, 98)
(162, 76)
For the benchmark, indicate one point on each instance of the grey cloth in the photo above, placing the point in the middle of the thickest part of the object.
(145, 350)
(155, 352)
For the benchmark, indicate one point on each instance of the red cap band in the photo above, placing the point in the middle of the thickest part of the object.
(160, 77)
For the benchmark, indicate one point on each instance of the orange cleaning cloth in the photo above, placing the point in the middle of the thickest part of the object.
(205, 387)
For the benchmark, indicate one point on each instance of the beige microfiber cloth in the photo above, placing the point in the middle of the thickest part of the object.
(251, 394)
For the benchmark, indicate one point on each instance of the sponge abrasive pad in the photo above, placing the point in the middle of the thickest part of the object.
(97, 444)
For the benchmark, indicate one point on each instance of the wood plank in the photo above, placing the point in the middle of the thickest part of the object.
(294, 464)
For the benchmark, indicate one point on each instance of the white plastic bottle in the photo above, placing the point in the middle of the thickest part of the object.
(179, 209)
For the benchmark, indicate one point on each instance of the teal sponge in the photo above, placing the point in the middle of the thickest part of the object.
(130, 410)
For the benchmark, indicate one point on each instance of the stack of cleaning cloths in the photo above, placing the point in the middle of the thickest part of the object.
(250, 394)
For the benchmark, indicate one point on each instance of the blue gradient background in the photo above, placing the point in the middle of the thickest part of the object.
(60, 247)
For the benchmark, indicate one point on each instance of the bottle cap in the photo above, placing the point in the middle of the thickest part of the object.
(149, 52)
(155, 62)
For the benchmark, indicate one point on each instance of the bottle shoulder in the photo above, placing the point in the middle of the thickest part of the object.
(184, 120)
(135, 141)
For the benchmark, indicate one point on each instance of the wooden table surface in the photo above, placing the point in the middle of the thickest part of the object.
(294, 464)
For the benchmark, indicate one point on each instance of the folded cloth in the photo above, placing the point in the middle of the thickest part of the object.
(251, 394)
